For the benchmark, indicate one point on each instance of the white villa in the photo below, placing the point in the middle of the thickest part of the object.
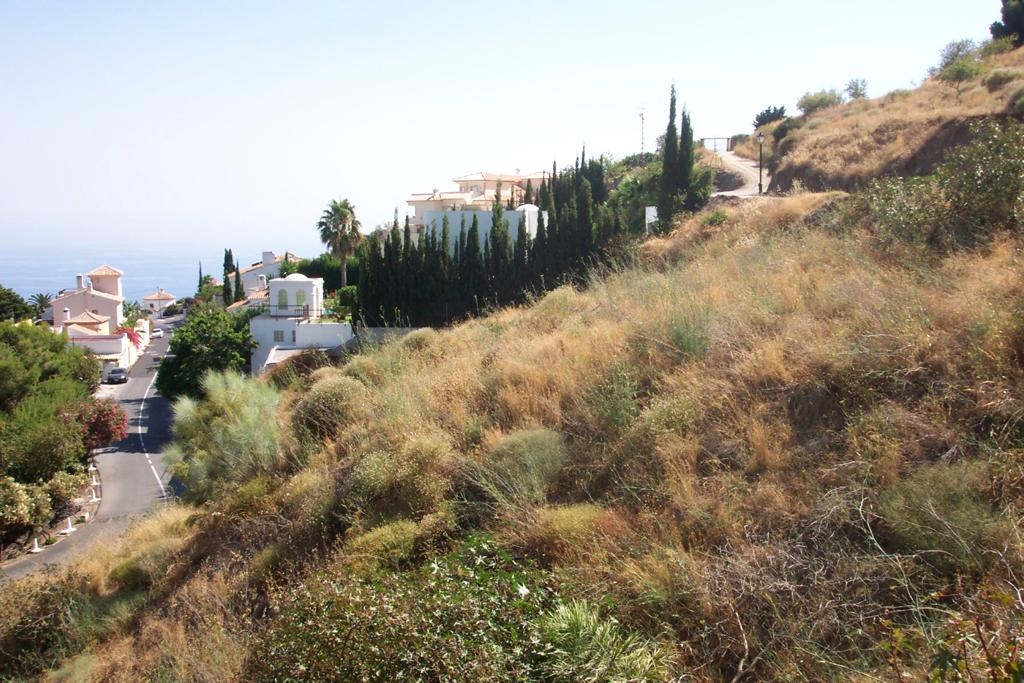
(476, 193)
(292, 322)
(91, 316)
(269, 266)
(158, 301)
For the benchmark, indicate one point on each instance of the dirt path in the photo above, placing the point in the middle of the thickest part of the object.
(747, 169)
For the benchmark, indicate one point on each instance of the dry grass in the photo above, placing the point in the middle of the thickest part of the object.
(905, 131)
(700, 438)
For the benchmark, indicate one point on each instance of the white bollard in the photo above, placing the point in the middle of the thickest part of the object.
(70, 530)
(92, 467)
(85, 517)
(95, 498)
(95, 481)
(35, 546)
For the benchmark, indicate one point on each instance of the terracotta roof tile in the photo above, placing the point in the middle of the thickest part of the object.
(104, 270)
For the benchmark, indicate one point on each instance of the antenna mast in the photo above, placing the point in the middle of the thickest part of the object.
(641, 133)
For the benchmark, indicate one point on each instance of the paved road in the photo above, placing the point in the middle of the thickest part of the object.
(748, 170)
(132, 472)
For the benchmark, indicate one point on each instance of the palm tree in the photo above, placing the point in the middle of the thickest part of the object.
(40, 302)
(339, 231)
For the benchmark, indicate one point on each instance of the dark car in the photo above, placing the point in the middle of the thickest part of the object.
(117, 376)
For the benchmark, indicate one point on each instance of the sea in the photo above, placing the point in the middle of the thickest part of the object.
(39, 269)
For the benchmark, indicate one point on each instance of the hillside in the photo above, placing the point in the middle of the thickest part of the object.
(783, 442)
(905, 132)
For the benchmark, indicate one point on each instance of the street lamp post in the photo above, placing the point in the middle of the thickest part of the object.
(760, 161)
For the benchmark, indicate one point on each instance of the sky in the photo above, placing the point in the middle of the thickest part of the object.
(218, 123)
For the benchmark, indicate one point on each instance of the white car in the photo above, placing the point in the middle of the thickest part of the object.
(156, 333)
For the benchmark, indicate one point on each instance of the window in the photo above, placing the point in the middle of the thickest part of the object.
(278, 336)
(300, 298)
(282, 299)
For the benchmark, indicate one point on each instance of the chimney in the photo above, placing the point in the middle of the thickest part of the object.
(79, 281)
(268, 258)
(262, 281)
(67, 314)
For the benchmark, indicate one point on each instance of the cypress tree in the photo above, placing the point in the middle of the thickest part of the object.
(685, 172)
(487, 293)
(447, 282)
(520, 266)
(538, 254)
(669, 187)
(473, 271)
(239, 291)
(200, 285)
(391, 296)
(584, 221)
(528, 195)
(226, 292)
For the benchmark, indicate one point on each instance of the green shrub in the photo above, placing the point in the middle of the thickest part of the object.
(411, 482)
(1016, 103)
(15, 505)
(64, 486)
(996, 46)
(714, 218)
(129, 575)
(390, 546)
(610, 405)
(768, 115)
(419, 340)
(783, 129)
(688, 332)
(333, 402)
(999, 78)
(581, 646)
(227, 437)
(522, 467)
(960, 73)
(465, 617)
(906, 209)
(41, 621)
(939, 512)
(975, 193)
(816, 101)
(983, 182)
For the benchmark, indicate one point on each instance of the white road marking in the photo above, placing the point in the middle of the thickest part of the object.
(142, 441)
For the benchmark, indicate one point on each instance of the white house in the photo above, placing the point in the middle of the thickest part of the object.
(292, 322)
(158, 301)
(476, 192)
(527, 215)
(102, 297)
(269, 266)
(91, 317)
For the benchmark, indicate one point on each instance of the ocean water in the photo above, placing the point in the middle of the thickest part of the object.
(37, 269)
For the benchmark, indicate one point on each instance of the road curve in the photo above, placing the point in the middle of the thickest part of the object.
(132, 472)
(748, 170)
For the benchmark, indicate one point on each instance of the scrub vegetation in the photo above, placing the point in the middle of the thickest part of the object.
(784, 441)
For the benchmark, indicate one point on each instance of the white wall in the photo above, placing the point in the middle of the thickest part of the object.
(297, 334)
(433, 221)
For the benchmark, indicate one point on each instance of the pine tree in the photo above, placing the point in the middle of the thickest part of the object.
(669, 187)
